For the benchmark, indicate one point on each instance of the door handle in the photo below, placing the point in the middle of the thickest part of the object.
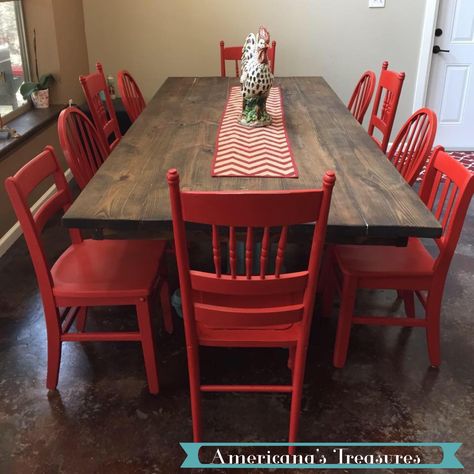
(437, 50)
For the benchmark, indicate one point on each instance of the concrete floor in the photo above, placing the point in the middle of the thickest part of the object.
(102, 419)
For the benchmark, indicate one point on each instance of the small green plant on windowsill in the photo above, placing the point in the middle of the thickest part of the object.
(37, 91)
(28, 88)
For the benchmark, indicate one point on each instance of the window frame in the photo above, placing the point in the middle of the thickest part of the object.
(25, 58)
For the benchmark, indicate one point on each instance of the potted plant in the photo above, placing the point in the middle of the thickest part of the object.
(37, 90)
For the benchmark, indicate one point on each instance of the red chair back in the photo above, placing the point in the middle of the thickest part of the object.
(103, 113)
(447, 190)
(19, 187)
(234, 53)
(362, 95)
(382, 118)
(412, 146)
(131, 95)
(83, 147)
(231, 300)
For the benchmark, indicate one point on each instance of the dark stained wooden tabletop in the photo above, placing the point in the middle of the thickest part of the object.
(178, 130)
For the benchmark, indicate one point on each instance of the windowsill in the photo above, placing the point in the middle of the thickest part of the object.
(28, 124)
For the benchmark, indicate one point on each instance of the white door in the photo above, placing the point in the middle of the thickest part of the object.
(451, 86)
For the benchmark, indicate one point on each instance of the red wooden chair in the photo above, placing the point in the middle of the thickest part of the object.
(362, 95)
(132, 97)
(390, 84)
(263, 310)
(83, 147)
(234, 53)
(100, 104)
(412, 146)
(88, 273)
(411, 270)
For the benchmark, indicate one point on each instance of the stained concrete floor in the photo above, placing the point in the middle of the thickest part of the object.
(102, 419)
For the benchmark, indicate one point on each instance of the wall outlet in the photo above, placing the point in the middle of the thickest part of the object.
(376, 3)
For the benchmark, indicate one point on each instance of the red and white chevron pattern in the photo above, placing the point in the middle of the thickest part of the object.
(244, 151)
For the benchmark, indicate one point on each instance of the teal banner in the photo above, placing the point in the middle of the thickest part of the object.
(323, 456)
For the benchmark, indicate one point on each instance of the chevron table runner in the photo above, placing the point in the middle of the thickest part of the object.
(259, 152)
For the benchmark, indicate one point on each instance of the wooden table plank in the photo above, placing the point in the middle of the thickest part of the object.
(178, 129)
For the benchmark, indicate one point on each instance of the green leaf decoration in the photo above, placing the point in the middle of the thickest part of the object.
(45, 81)
(27, 88)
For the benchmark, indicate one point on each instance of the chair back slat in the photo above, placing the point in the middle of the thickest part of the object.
(57, 202)
(413, 144)
(281, 250)
(83, 147)
(234, 53)
(229, 317)
(232, 252)
(362, 95)
(447, 190)
(35, 172)
(449, 207)
(221, 296)
(444, 188)
(249, 253)
(264, 251)
(384, 109)
(242, 285)
(237, 208)
(131, 95)
(216, 250)
(101, 107)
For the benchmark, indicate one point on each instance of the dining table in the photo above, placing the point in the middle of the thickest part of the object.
(129, 194)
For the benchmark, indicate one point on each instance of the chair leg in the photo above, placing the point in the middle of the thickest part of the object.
(348, 297)
(195, 390)
(298, 378)
(291, 357)
(433, 309)
(81, 319)
(166, 306)
(54, 360)
(148, 346)
(409, 301)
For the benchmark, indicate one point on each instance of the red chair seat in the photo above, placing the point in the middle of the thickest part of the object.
(279, 336)
(94, 268)
(377, 261)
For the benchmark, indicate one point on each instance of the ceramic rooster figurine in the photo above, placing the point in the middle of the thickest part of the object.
(256, 80)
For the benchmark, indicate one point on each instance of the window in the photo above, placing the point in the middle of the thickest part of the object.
(13, 57)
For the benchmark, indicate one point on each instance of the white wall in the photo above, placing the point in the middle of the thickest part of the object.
(338, 39)
(353, 38)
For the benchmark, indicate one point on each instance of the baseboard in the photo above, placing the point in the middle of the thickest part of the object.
(11, 236)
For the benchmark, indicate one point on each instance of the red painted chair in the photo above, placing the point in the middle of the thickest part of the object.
(412, 146)
(234, 53)
(131, 95)
(83, 147)
(362, 95)
(100, 105)
(382, 118)
(88, 273)
(263, 310)
(411, 270)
